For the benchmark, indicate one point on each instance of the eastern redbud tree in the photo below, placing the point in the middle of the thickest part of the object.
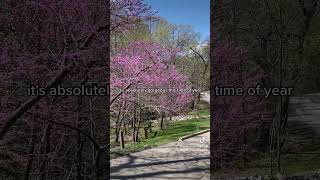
(146, 66)
(143, 74)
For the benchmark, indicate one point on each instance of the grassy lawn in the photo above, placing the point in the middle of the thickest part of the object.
(297, 163)
(201, 112)
(292, 164)
(172, 132)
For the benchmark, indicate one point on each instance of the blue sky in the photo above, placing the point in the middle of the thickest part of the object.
(188, 12)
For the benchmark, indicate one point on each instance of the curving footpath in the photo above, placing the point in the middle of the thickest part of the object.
(183, 159)
(306, 110)
(187, 159)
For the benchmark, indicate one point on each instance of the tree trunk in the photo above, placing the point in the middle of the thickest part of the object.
(145, 132)
(45, 138)
(117, 124)
(122, 139)
(117, 135)
(161, 123)
(31, 152)
(101, 163)
(134, 125)
(79, 156)
(138, 127)
(14, 116)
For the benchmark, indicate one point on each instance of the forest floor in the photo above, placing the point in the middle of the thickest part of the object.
(301, 155)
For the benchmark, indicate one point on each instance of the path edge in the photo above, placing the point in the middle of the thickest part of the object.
(194, 134)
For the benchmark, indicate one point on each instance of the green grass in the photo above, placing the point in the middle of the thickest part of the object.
(298, 163)
(171, 133)
(201, 112)
(292, 164)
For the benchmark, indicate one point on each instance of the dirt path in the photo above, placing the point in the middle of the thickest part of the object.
(306, 110)
(205, 96)
(304, 123)
(188, 159)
